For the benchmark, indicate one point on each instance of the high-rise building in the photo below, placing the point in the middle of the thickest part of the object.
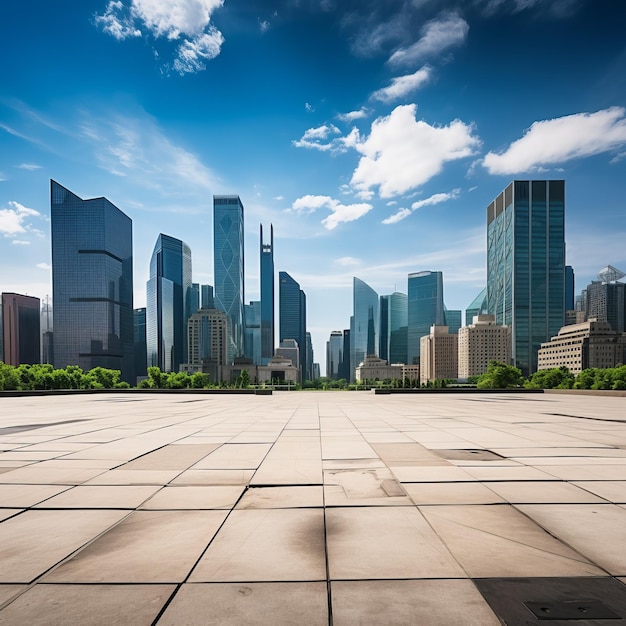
(20, 329)
(478, 306)
(393, 328)
(252, 332)
(334, 355)
(207, 299)
(364, 324)
(292, 316)
(141, 349)
(452, 319)
(194, 297)
(310, 373)
(425, 309)
(345, 367)
(526, 265)
(569, 288)
(92, 281)
(439, 355)
(289, 349)
(480, 342)
(169, 303)
(605, 299)
(267, 296)
(228, 267)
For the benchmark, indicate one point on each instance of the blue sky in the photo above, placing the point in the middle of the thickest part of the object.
(371, 134)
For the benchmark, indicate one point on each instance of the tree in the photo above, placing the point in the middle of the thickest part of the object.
(555, 378)
(243, 380)
(500, 376)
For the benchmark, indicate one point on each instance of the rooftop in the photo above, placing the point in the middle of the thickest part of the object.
(313, 508)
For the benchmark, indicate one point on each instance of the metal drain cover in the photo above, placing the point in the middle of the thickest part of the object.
(572, 610)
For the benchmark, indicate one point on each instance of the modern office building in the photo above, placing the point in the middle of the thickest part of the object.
(526, 265)
(310, 369)
(228, 267)
(580, 346)
(252, 331)
(20, 329)
(92, 283)
(334, 355)
(169, 303)
(266, 251)
(393, 328)
(141, 348)
(289, 349)
(207, 298)
(363, 324)
(207, 344)
(452, 319)
(480, 342)
(292, 317)
(439, 355)
(605, 299)
(569, 288)
(344, 368)
(425, 309)
(478, 306)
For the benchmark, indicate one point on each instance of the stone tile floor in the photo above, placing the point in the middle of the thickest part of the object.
(313, 508)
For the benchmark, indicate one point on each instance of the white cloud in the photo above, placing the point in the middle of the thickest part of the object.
(398, 216)
(348, 261)
(29, 166)
(313, 137)
(402, 153)
(279, 198)
(437, 198)
(44, 266)
(554, 8)
(447, 30)
(402, 86)
(13, 219)
(309, 107)
(352, 116)
(20, 242)
(554, 141)
(339, 213)
(174, 20)
(264, 25)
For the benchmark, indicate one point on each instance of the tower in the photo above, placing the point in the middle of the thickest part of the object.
(526, 265)
(92, 280)
(228, 267)
(364, 323)
(425, 309)
(267, 296)
(292, 316)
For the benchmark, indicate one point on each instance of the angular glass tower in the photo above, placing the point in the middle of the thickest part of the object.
(169, 303)
(292, 316)
(425, 309)
(92, 282)
(228, 267)
(363, 323)
(526, 265)
(267, 297)
(334, 354)
(393, 327)
(478, 306)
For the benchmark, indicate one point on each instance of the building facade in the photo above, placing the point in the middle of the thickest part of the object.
(363, 323)
(252, 332)
(20, 327)
(581, 346)
(267, 296)
(481, 342)
(605, 299)
(92, 283)
(439, 355)
(334, 354)
(424, 308)
(169, 303)
(292, 317)
(141, 348)
(478, 306)
(228, 267)
(393, 327)
(526, 265)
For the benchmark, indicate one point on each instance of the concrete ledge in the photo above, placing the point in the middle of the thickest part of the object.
(455, 390)
(78, 392)
(616, 393)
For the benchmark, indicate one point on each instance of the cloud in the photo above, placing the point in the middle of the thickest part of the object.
(437, 198)
(402, 86)
(309, 107)
(339, 213)
(313, 136)
(444, 32)
(402, 153)
(29, 166)
(13, 219)
(374, 35)
(186, 21)
(552, 8)
(279, 198)
(263, 25)
(352, 116)
(348, 261)
(44, 266)
(549, 142)
(20, 242)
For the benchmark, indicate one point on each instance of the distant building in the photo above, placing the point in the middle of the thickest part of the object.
(334, 354)
(526, 265)
(605, 299)
(141, 362)
(289, 349)
(452, 320)
(252, 331)
(92, 283)
(481, 342)
(292, 317)
(345, 367)
(569, 288)
(363, 323)
(373, 368)
(207, 298)
(228, 267)
(581, 346)
(425, 309)
(439, 355)
(478, 306)
(393, 328)
(310, 373)
(20, 329)
(266, 252)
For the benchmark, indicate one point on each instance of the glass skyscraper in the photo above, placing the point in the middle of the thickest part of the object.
(478, 306)
(425, 309)
(526, 265)
(92, 282)
(363, 323)
(334, 354)
(252, 332)
(228, 267)
(267, 297)
(169, 303)
(20, 329)
(292, 316)
(393, 328)
(141, 350)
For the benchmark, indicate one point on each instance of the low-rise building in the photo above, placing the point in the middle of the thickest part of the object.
(481, 342)
(439, 356)
(374, 368)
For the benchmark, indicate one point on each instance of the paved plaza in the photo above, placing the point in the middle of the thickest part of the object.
(313, 508)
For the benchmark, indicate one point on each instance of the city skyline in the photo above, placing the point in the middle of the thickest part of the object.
(159, 111)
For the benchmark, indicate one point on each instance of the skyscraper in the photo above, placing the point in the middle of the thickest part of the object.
(252, 331)
(425, 309)
(569, 288)
(207, 299)
(478, 306)
(605, 299)
(292, 316)
(393, 327)
(364, 323)
(92, 281)
(526, 264)
(267, 297)
(228, 267)
(334, 354)
(20, 329)
(169, 303)
(141, 349)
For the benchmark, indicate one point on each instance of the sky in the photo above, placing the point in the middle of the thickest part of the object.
(371, 134)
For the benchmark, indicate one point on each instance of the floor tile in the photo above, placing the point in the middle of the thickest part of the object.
(611, 490)
(534, 492)
(282, 497)
(195, 497)
(28, 495)
(451, 493)
(100, 497)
